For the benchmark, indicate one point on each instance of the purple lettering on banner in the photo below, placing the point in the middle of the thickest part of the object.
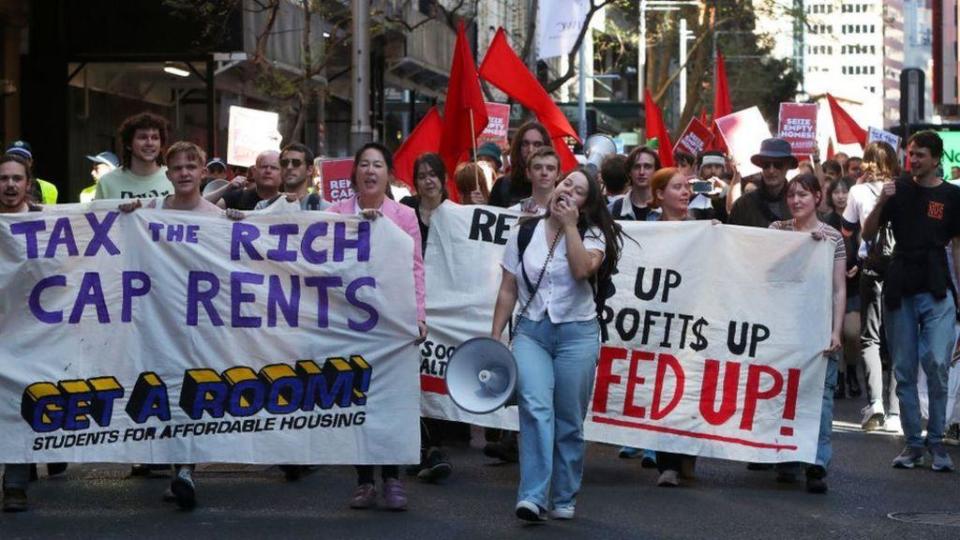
(42, 315)
(91, 292)
(130, 292)
(62, 234)
(290, 307)
(351, 295)
(361, 243)
(283, 230)
(314, 231)
(175, 232)
(195, 297)
(243, 234)
(192, 233)
(29, 230)
(238, 298)
(322, 283)
(101, 234)
(155, 229)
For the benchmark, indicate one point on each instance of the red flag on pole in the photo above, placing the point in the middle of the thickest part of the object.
(424, 138)
(465, 114)
(721, 101)
(502, 68)
(830, 151)
(846, 128)
(655, 127)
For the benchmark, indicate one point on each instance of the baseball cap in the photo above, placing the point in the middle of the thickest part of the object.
(20, 148)
(107, 158)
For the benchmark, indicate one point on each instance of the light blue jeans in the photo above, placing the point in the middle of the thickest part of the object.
(556, 365)
(920, 333)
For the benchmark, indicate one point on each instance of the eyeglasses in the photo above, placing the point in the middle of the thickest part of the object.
(291, 163)
(774, 164)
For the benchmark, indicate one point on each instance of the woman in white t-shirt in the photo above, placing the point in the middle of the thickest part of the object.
(557, 337)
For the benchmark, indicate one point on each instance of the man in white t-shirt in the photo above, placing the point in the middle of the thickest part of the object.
(142, 174)
(860, 202)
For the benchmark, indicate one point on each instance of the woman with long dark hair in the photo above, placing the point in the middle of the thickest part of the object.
(509, 189)
(557, 340)
(372, 167)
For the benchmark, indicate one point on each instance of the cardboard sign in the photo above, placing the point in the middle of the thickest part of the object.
(694, 139)
(250, 132)
(498, 123)
(798, 125)
(743, 131)
(335, 179)
(877, 134)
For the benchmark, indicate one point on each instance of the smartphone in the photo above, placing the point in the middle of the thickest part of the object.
(702, 186)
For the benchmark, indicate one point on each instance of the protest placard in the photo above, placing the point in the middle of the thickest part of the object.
(335, 179)
(877, 134)
(743, 131)
(251, 131)
(179, 337)
(798, 126)
(691, 362)
(694, 139)
(498, 123)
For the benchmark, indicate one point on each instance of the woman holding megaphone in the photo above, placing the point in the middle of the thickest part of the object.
(550, 265)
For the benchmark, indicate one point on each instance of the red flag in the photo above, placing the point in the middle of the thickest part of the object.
(703, 116)
(655, 127)
(502, 68)
(846, 128)
(463, 99)
(568, 161)
(721, 102)
(830, 151)
(424, 138)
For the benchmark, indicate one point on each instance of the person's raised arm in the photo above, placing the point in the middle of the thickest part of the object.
(583, 263)
(216, 196)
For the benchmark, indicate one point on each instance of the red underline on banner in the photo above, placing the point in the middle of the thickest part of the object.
(692, 434)
(434, 385)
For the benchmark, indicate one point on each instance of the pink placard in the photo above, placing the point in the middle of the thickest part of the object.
(497, 125)
(694, 139)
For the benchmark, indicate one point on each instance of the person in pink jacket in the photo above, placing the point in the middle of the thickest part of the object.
(372, 167)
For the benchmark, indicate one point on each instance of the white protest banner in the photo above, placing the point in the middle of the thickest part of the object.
(877, 134)
(558, 25)
(181, 337)
(725, 364)
(743, 131)
(251, 131)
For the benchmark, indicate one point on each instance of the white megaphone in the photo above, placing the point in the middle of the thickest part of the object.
(597, 147)
(482, 376)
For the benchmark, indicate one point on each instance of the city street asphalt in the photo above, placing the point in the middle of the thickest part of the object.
(619, 499)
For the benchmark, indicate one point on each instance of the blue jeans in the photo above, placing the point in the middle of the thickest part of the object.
(556, 365)
(824, 444)
(920, 334)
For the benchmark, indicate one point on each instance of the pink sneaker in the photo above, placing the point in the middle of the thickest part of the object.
(364, 497)
(394, 495)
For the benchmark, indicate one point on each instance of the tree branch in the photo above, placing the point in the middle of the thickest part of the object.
(572, 55)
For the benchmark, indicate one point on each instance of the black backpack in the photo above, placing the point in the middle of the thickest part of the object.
(601, 283)
(880, 250)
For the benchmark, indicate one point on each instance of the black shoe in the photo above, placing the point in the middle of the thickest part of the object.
(14, 500)
(435, 467)
(853, 384)
(291, 473)
(54, 469)
(816, 482)
(840, 392)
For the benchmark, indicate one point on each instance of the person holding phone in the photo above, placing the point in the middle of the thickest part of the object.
(557, 340)
(708, 189)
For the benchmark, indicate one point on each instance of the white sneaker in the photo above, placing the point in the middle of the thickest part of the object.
(562, 512)
(892, 425)
(871, 417)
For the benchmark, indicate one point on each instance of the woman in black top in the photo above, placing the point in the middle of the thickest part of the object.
(509, 189)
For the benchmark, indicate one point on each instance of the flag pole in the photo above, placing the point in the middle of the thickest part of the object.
(473, 141)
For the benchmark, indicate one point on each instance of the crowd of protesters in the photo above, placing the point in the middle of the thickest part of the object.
(893, 281)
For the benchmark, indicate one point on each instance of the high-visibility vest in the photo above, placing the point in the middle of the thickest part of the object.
(48, 192)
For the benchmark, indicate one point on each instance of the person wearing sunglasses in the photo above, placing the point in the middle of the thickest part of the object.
(768, 203)
(296, 171)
